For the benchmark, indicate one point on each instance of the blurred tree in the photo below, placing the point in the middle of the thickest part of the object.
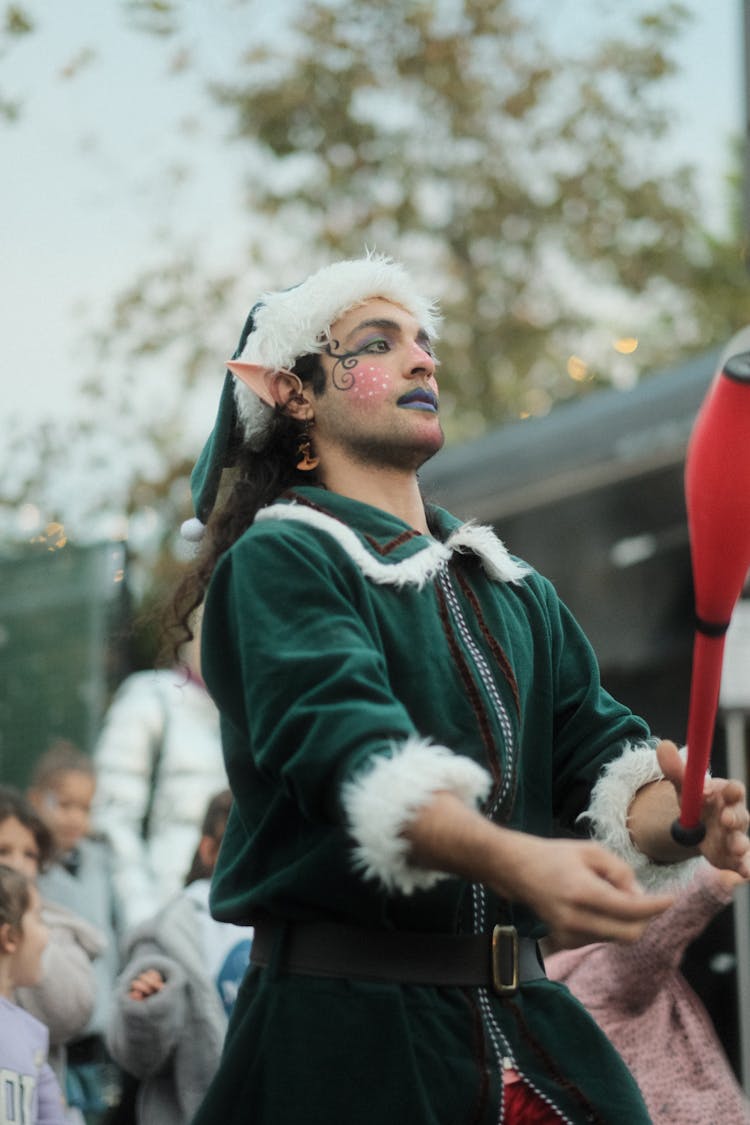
(17, 22)
(520, 180)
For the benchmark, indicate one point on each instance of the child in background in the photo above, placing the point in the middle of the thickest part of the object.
(30, 1091)
(643, 1003)
(80, 877)
(63, 999)
(175, 994)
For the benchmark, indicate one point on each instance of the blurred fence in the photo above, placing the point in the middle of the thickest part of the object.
(63, 618)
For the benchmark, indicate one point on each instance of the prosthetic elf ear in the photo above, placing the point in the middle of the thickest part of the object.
(273, 386)
(256, 377)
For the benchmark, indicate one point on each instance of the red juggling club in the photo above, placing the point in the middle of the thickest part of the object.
(717, 495)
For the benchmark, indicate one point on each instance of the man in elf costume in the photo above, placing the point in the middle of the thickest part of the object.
(415, 736)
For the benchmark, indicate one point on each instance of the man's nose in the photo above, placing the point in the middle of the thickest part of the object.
(420, 360)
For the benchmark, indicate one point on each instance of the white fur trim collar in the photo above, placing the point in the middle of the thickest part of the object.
(423, 565)
(481, 540)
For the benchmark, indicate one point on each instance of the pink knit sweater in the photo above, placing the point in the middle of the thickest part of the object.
(643, 1003)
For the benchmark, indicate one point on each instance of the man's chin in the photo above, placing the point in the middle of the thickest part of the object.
(396, 452)
(431, 447)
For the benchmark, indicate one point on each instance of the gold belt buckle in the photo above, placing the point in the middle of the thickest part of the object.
(505, 960)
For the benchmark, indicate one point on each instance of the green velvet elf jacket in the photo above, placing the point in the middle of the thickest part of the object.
(359, 666)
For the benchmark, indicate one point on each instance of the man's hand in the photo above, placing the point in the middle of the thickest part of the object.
(725, 815)
(582, 891)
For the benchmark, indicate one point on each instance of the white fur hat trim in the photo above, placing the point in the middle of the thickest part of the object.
(253, 413)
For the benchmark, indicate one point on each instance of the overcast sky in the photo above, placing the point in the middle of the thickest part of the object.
(83, 198)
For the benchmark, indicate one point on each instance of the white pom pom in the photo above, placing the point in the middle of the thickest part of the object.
(192, 530)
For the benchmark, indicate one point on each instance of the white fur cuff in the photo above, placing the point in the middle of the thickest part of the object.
(611, 798)
(383, 799)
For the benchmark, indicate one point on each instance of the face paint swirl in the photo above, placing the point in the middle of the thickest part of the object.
(370, 380)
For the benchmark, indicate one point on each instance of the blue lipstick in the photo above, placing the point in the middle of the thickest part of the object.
(419, 399)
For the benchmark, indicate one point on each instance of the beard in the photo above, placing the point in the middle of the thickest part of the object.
(388, 452)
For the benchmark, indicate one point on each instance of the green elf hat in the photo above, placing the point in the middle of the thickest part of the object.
(218, 452)
(283, 326)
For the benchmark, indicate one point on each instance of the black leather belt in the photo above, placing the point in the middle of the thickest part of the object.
(501, 960)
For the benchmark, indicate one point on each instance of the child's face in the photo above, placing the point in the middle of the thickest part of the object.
(27, 960)
(66, 807)
(18, 847)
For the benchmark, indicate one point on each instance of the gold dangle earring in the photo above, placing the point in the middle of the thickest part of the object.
(307, 459)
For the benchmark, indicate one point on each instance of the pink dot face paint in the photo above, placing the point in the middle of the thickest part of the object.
(371, 383)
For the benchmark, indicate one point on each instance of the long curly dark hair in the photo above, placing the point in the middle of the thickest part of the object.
(257, 478)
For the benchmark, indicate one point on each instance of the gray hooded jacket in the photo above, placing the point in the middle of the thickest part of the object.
(172, 1040)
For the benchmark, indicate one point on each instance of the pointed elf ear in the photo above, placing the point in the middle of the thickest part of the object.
(274, 386)
(256, 377)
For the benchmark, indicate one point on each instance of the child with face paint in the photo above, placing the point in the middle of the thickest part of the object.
(30, 1091)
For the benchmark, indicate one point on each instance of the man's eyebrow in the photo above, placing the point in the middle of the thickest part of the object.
(388, 325)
